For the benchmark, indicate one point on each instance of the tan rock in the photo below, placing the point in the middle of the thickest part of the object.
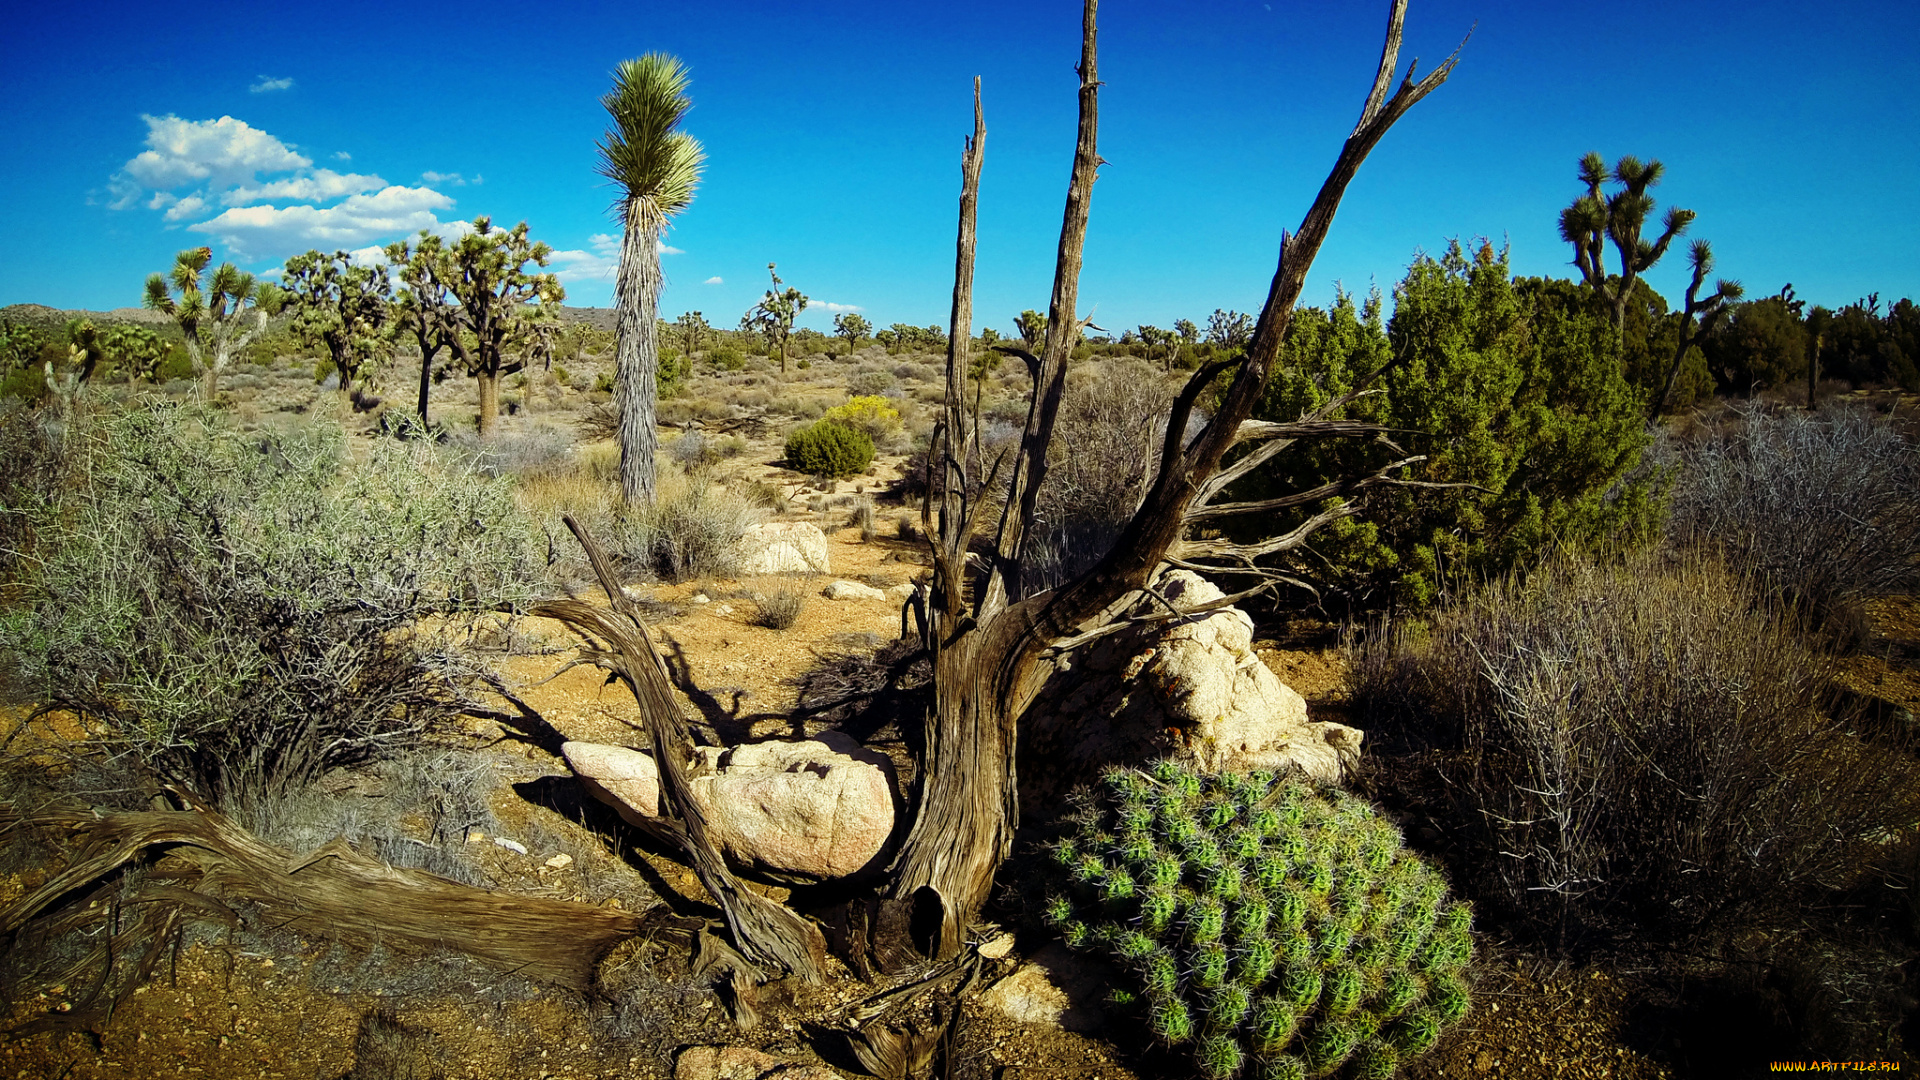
(1190, 688)
(852, 590)
(811, 809)
(723, 1063)
(788, 547)
(1057, 987)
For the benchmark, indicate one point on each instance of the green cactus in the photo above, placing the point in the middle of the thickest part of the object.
(1227, 1008)
(1172, 1022)
(1283, 931)
(1284, 1067)
(1274, 1025)
(1219, 1057)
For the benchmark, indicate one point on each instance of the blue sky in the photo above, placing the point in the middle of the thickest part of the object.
(834, 137)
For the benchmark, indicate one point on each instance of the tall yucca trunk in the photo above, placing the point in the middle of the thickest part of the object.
(637, 353)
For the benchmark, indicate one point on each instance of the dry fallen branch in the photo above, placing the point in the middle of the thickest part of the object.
(333, 892)
(765, 933)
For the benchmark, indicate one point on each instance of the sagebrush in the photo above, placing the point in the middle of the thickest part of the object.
(241, 613)
(1640, 748)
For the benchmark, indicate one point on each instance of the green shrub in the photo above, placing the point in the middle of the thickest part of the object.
(728, 358)
(27, 384)
(1513, 386)
(1263, 922)
(872, 414)
(177, 365)
(242, 613)
(825, 448)
(1636, 750)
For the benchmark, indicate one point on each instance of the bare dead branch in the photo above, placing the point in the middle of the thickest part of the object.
(765, 932)
(1063, 333)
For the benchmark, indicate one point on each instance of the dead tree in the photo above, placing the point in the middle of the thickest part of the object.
(987, 635)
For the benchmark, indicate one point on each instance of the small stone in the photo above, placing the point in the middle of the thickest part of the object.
(998, 945)
(700, 598)
(723, 1063)
(514, 846)
(560, 861)
(1056, 988)
(852, 590)
(900, 593)
(719, 610)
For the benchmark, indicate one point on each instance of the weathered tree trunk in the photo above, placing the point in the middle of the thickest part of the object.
(986, 638)
(637, 351)
(489, 402)
(426, 384)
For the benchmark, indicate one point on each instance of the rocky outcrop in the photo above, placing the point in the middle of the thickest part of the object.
(790, 547)
(806, 810)
(1188, 688)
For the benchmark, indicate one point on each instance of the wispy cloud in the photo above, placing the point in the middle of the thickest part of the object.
(714, 280)
(831, 306)
(318, 186)
(220, 152)
(268, 85)
(600, 264)
(391, 212)
(190, 168)
(186, 208)
(454, 178)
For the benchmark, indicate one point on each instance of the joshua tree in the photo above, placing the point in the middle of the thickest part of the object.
(495, 303)
(423, 307)
(219, 315)
(1032, 327)
(342, 307)
(137, 349)
(656, 169)
(1597, 217)
(85, 350)
(773, 316)
(1229, 329)
(693, 331)
(852, 326)
(1708, 310)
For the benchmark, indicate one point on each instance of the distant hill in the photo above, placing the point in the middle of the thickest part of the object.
(54, 318)
(42, 315)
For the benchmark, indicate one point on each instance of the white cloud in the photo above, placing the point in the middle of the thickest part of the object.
(160, 199)
(222, 152)
(830, 306)
(342, 155)
(606, 244)
(596, 265)
(269, 84)
(186, 208)
(391, 212)
(371, 255)
(714, 280)
(669, 249)
(454, 178)
(319, 186)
